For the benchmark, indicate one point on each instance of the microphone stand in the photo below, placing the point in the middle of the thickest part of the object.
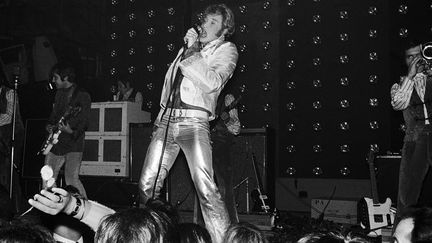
(14, 109)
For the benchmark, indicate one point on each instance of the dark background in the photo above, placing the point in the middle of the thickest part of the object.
(316, 74)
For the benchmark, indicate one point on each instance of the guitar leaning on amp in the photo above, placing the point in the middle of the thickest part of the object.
(371, 214)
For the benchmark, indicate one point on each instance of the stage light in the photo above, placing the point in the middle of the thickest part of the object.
(242, 68)
(291, 85)
(343, 59)
(131, 51)
(316, 18)
(343, 36)
(113, 53)
(290, 64)
(316, 61)
(242, 88)
(316, 40)
(343, 15)
(316, 126)
(345, 171)
(373, 79)
(291, 127)
(266, 25)
(243, 9)
(242, 108)
(291, 43)
(151, 13)
(373, 102)
(132, 16)
(170, 47)
(171, 28)
(344, 81)
(242, 48)
(290, 148)
(243, 28)
(150, 86)
(373, 56)
(317, 171)
(266, 86)
(344, 148)
(344, 103)
(372, 10)
(149, 104)
(150, 68)
(266, 45)
(290, 106)
(114, 2)
(266, 5)
(113, 36)
(291, 171)
(131, 69)
(114, 19)
(316, 83)
(132, 34)
(150, 49)
(290, 22)
(151, 31)
(317, 148)
(403, 32)
(373, 33)
(267, 107)
(374, 147)
(291, 2)
(113, 71)
(402, 127)
(403, 9)
(171, 11)
(317, 105)
(344, 126)
(373, 125)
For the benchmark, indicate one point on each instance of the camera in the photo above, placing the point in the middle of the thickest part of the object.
(425, 64)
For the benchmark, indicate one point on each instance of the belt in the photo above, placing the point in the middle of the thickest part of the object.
(187, 113)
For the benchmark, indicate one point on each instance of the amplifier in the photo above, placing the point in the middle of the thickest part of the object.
(342, 211)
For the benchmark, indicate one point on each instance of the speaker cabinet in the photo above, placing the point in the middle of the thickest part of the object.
(387, 177)
(249, 145)
(35, 135)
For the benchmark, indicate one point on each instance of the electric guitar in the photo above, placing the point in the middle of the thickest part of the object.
(257, 193)
(371, 214)
(53, 137)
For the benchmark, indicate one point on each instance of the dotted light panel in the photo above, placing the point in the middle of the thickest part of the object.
(334, 104)
(144, 37)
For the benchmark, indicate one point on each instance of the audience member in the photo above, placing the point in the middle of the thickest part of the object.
(415, 226)
(134, 225)
(332, 237)
(20, 232)
(193, 233)
(244, 233)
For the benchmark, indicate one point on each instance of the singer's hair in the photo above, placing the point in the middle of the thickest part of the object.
(227, 16)
(64, 69)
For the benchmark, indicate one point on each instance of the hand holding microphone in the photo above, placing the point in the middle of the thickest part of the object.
(192, 36)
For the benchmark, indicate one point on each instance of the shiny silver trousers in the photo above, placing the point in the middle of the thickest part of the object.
(193, 137)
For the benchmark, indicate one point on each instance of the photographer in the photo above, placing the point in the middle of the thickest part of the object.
(413, 96)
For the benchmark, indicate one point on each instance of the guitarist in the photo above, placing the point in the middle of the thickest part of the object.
(225, 127)
(68, 150)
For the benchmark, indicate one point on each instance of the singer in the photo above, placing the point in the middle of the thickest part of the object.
(192, 85)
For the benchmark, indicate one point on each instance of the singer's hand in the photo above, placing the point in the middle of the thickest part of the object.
(190, 37)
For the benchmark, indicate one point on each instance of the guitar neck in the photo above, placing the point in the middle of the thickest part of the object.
(374, 187)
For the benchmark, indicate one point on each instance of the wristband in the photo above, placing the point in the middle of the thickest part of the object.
(77, 207)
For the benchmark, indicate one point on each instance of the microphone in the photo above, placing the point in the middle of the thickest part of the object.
(197, 28)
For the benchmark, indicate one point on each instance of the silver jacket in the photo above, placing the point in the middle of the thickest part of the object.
(205, 74)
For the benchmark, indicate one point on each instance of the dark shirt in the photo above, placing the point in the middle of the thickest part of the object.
(75, 98)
